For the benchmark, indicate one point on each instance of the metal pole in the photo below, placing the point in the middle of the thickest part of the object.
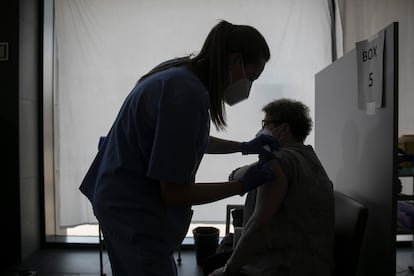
(179, 255)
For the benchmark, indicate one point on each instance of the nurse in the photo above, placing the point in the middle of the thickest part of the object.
(142, 182)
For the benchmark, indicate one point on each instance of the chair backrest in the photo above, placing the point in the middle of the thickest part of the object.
(350, 221)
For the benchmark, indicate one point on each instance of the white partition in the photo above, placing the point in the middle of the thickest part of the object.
(359, 150)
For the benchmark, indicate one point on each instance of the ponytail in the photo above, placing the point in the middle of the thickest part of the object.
(211, 63)
(214, 53)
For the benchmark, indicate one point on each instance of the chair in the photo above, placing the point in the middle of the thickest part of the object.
(229, 209)
(350, 221)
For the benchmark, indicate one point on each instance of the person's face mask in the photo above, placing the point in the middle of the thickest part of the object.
(264, 131)
(273, 132)
(238, 91)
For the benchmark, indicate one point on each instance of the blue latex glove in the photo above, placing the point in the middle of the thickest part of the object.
(266, 156)
(255, 176)
(262, 144)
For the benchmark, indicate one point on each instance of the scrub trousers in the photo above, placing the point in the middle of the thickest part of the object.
(129, 259)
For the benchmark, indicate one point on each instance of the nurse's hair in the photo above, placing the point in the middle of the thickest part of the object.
(211, 63)
(292, 112)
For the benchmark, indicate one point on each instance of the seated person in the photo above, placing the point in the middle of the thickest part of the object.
(289, 222)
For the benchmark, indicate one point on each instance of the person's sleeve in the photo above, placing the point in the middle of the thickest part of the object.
(174, 153)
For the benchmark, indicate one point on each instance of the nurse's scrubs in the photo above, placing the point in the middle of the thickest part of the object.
(160, 133)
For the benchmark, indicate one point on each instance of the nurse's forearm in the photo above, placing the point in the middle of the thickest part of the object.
(198, 193)
(217, 146)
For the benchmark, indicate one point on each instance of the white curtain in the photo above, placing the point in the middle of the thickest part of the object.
(103, 46)
(362, 19)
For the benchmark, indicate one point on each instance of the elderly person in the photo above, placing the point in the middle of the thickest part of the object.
(288, 222)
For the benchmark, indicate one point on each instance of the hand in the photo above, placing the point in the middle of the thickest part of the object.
(262, 144)
(255, 176)
(217, 272)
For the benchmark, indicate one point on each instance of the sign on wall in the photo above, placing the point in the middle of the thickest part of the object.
(370, 59)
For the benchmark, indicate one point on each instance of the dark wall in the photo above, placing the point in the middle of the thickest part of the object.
(29, 101)
(20, 229)
(359, 150)
(9, 114)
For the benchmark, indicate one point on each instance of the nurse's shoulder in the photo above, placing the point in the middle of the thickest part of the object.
(181, 83)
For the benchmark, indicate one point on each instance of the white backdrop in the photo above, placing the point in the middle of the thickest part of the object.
(102, 47)
(362, 19)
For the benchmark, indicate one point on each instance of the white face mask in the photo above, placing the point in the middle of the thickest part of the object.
(264, 131)
(267, 131)
(238, 91)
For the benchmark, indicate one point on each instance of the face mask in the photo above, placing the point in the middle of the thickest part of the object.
(238, 91)
(264, 131)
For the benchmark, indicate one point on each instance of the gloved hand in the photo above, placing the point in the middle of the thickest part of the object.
(262, 144)
(255, 176)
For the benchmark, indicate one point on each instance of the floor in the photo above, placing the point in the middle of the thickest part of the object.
(405, 258)
(86, 262)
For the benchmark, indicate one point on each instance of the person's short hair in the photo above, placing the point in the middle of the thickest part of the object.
(292, 112)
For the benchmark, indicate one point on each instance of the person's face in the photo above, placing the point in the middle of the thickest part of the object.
(277, 129)
(236, 66)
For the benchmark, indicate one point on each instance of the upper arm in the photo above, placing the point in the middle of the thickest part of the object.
(212, 144)
(269, 198)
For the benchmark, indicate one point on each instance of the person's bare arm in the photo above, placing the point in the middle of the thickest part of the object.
(269, 198)
(219, 146)
(198, 193)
